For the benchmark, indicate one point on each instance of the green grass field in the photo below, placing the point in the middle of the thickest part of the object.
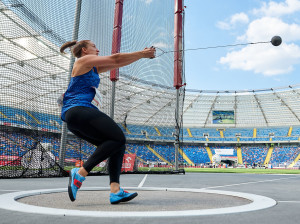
(214, 170)
(228, 170)
(231, 170)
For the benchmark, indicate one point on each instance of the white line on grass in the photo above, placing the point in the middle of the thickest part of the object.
(143, 181)
(253, 182)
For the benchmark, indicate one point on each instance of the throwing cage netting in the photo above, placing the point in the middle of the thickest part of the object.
(141, 97)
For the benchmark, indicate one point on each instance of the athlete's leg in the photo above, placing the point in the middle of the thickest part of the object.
(97, 128)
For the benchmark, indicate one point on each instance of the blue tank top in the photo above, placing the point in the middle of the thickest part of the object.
(80, 91)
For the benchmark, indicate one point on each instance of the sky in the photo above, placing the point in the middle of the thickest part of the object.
(211, 23)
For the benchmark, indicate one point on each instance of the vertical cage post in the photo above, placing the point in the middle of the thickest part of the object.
(63, 139)
(177, 71)
(116, 45)
(177, 131)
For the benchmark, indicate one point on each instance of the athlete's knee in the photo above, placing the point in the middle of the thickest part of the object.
(119, 139)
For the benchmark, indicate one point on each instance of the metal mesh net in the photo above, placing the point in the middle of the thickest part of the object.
(34, 74)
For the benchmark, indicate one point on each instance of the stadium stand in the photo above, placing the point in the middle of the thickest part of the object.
(283, 154)
(197, 154)
(17, 143)
(254, 154)
(20, 118)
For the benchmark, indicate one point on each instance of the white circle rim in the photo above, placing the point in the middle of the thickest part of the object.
(8, 202)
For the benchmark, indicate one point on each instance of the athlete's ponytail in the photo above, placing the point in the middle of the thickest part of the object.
(76, 50)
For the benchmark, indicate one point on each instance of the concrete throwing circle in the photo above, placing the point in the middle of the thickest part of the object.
(250, 202)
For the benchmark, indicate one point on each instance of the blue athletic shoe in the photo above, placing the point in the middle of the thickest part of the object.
(121, 196)
(75, 182)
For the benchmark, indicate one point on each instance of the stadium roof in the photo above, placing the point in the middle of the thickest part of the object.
(33, 74)
(253, 108)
